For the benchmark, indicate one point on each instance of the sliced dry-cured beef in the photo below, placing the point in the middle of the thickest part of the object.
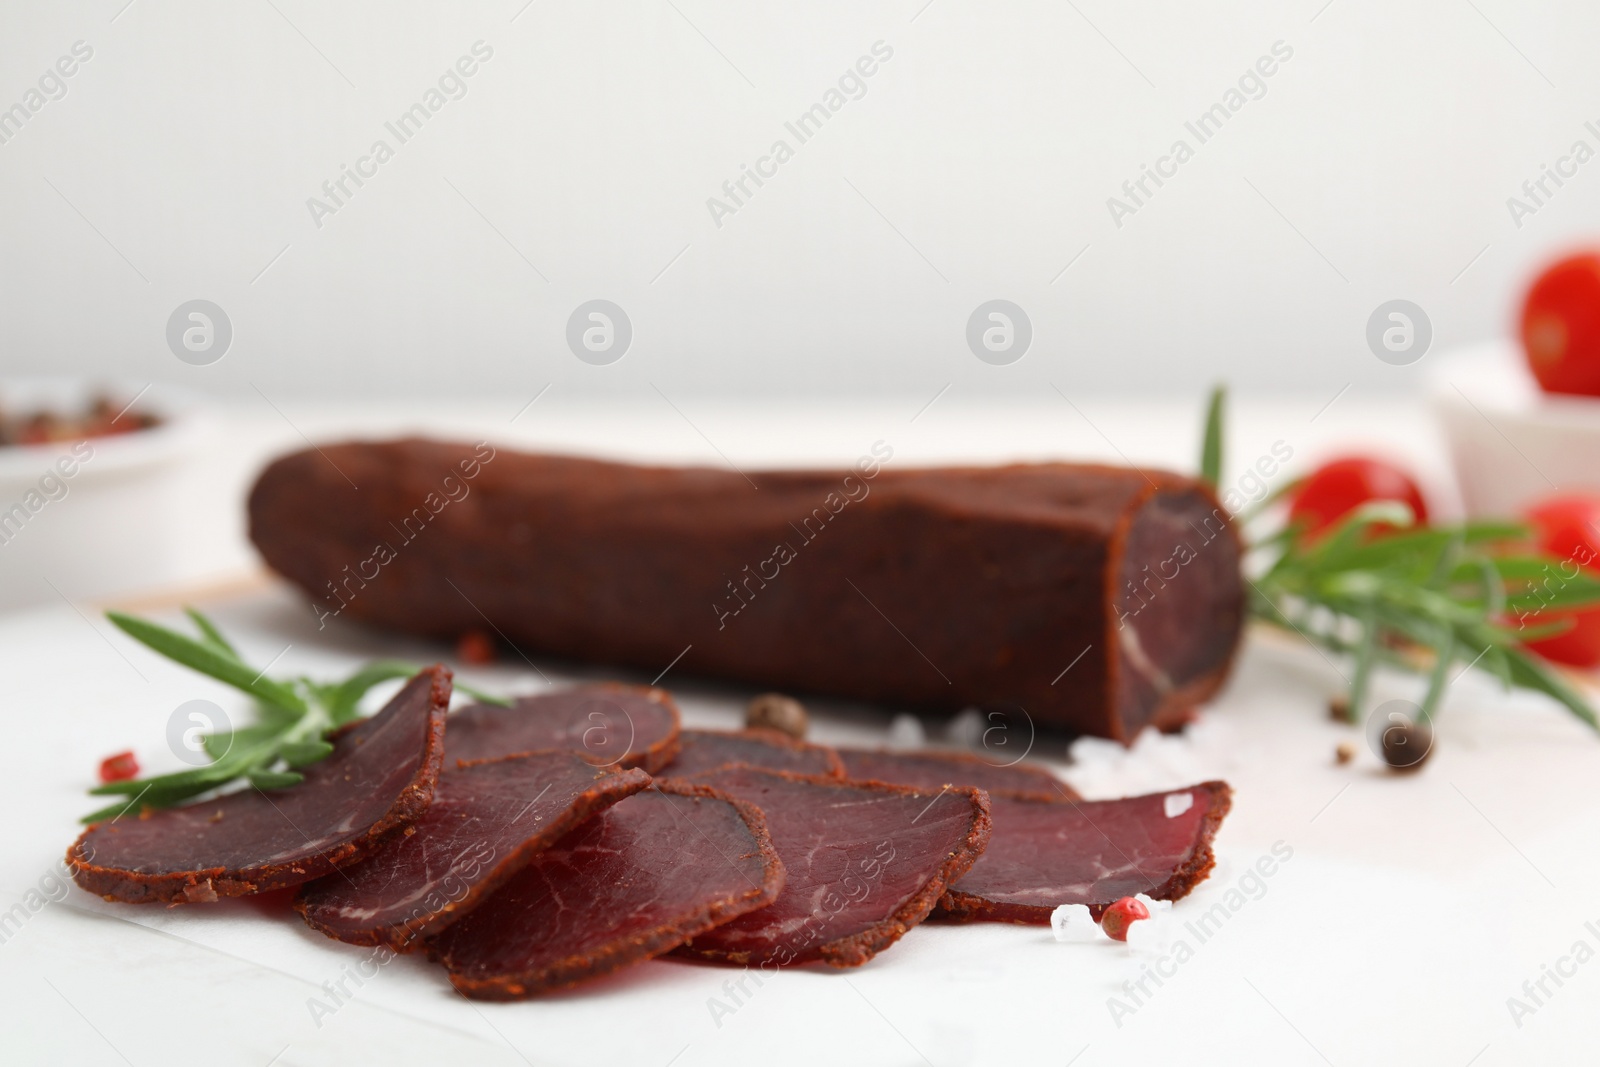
(930, 770)
(378, 780)
(1043, 854)
(849, 582)
(487, 820)
(863, 863)
(628, 725)
(636, 881)
(706, 750)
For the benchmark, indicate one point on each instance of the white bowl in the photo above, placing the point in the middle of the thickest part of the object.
(93, 518)
(1512, 444)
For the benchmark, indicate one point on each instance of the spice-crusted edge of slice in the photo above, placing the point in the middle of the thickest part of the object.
(663, 752)
(621, 953)
(858, 948)
(958, 907)
(173, 887)
(652, 759)
(958, 758)
(610, 785)
(778, 739)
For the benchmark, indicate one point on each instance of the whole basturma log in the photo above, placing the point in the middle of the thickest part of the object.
(1095, 599)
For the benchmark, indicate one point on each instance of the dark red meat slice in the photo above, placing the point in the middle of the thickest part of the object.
(629, 725)
(930, 770)
(378, 780)
(1044, 854)
(636, 881)
(706, 750)
(863, 861)
(487, 820)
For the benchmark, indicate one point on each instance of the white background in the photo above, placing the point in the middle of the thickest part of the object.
(977, 166)
(827, 313)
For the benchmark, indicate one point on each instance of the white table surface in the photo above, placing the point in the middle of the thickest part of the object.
(1412, 908)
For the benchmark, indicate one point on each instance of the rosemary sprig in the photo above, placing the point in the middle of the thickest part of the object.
(293, 718)
(1420, 600)
(1211, 442)
(1380, 589)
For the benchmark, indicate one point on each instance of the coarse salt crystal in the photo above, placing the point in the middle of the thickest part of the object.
(966, 728)
(905, 731)
(1088, 751)
(1153, 904)
(1072, 922)
(1175, 804)
(1147, 935)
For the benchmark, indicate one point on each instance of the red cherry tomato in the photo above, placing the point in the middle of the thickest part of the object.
(1568, 527)
(119, 768)
(1561, 326)
(1342, 485)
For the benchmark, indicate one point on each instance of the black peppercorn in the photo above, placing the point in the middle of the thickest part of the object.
(1406, 745)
